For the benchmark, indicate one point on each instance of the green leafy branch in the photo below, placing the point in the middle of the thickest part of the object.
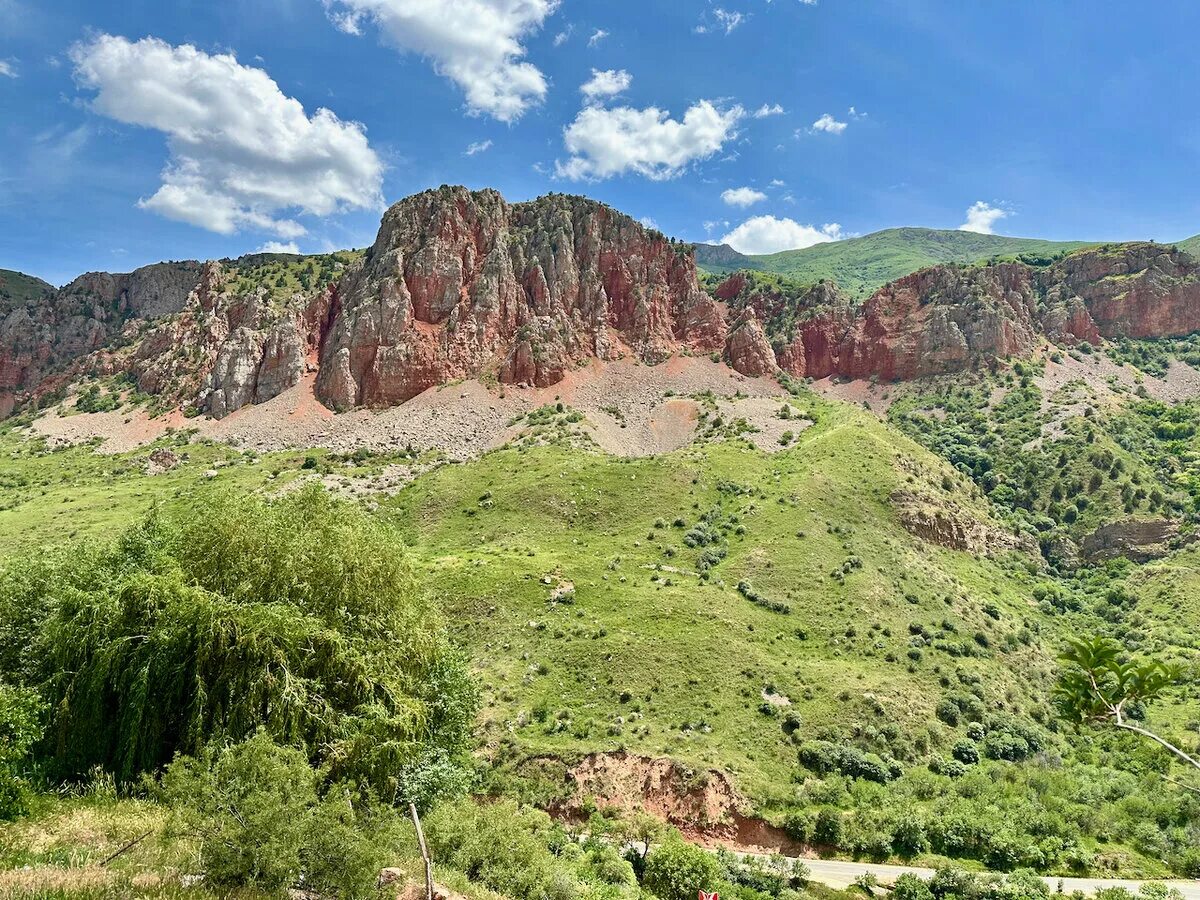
(1096, 686)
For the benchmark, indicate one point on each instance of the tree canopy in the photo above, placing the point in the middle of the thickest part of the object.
(300, 617)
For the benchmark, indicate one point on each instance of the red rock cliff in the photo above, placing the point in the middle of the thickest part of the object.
(462, 284)
(949, 318)
(459, 283)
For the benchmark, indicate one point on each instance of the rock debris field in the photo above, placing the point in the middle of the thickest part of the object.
(630, 409)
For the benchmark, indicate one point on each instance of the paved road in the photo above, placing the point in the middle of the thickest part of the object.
(840, 874)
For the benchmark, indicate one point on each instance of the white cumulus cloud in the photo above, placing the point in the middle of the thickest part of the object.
(597, 36)
(280, 247)
(982, 217)
(606, 142)
(743, 196)
(478, 147)
(241, 150)
(606, 83)
(767, 234)
(768, 109)
(829, 124)
(474, 43)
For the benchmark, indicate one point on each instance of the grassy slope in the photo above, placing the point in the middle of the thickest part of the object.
(689, 651)
(693, 656)
(694, 652)
(860, 265)
(1191, 245)
(18, 289)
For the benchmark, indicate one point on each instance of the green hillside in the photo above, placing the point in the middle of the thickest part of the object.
(767, 615)
(17, 289)
(1191, 245)
(861, 265)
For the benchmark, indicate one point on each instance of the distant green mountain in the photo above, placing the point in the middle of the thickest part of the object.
(1190, 246)
(17, 288)
(860, 265)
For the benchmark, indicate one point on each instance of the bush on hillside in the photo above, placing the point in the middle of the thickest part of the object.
(676, 870)
(824, 757)
(773, 876)
(263, 821)
(521, 852)
(466, 837)
(911, 887)
(20, 727)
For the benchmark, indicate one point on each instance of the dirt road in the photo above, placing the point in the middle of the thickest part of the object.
(841, 874)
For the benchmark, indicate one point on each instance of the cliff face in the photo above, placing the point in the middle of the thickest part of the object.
(180, 331)
(42, 341)
(462, 284)
(227, 349)
(1132, 290)
(948, 318)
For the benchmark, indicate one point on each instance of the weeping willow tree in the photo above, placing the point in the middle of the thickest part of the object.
(300, 617)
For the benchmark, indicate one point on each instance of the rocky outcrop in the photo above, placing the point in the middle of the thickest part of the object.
(949, 525)
(1126, 290)
(461, 282)
(177, 330)
(243, 348)
(748, 349)
(150, 292)
(950, 318)
(41, 341)
(940, 320)
(1139, 540)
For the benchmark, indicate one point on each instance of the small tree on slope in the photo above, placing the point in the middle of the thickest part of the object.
(1097, 687)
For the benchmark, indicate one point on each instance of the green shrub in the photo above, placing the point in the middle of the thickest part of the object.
(966, 752)
(91, 400)
(676, 870)
(824, 757)
(828, 827)
(910, 887)
(948, 712)
(771, 876)
(505, 847)
(20, 728)
(261, 821)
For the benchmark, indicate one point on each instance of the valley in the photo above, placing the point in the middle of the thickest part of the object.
(789, 570)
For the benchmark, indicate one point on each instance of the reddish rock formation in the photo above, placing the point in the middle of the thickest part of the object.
(461, 282)
(239, 349)
(39, 341)
(748, 349)
(949, 318)
(1128, 290)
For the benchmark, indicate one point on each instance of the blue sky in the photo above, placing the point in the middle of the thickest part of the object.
(139, 131)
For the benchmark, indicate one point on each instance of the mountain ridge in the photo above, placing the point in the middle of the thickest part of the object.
(861, 265)
(461, 284)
